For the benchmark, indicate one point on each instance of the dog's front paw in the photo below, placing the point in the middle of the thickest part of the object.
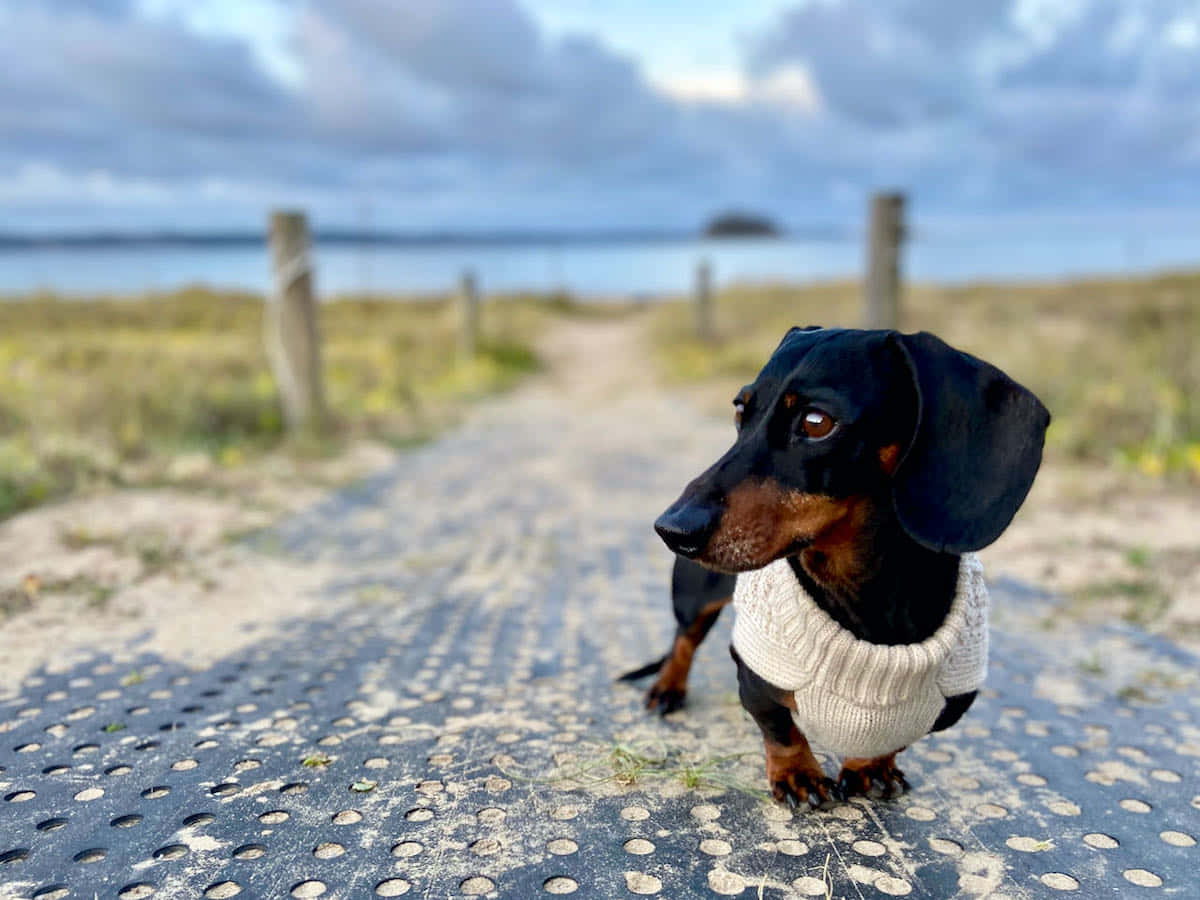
(796, 777)
(798, 788)
(858, 775)
(665, 696)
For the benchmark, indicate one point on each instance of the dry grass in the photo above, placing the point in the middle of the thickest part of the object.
(1114, 360)
(117, 391)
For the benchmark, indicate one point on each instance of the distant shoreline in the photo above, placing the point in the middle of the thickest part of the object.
(344, 237)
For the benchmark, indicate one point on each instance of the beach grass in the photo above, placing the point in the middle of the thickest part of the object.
(110, 391)
(1114, 359)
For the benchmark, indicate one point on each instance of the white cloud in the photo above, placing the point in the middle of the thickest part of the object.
(789, 87)
(1183, 32)
(38, 182)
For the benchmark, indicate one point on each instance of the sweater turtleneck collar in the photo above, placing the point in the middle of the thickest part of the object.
(799, 642)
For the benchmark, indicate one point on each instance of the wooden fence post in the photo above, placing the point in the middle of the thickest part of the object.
(882, 283)
(468, 312)
(704, 311)
(290, 321)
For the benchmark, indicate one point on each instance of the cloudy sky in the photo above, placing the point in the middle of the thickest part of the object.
(484, 114)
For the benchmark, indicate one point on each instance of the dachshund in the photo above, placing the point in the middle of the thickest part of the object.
(870, 465)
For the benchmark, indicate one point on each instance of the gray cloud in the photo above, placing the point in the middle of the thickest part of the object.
(1107, 86)
(464, 112)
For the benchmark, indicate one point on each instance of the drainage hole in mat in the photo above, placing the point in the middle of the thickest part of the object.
(328, 850)
(136, 891)
(392, 887)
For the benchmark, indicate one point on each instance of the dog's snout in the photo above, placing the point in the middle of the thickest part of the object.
(687, 526)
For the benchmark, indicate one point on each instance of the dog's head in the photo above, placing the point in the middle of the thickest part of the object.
(841, 415)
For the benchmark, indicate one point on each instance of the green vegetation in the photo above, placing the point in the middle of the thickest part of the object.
(1114, 360)
(1144, 600)
(131, 391)
(631, 764)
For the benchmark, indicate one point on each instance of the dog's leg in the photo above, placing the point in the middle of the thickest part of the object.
(858, 774)
(670, 688)
(793, 772)
(697, 596)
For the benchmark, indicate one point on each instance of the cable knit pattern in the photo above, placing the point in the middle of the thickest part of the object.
(853, 697)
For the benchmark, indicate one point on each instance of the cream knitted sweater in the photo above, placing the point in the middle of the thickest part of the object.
(853, 697)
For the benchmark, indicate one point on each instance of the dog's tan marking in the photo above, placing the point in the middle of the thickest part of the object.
(840, 556)
(889, 458)
(762, 521)
(792, 769)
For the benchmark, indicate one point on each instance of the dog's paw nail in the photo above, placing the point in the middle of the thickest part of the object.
(829, 790)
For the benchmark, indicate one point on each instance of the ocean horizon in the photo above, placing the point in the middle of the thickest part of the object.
(592, 265)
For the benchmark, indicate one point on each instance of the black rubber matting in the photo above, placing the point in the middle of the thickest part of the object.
(451, 728)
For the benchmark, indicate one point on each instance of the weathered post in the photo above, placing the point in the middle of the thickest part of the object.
(704, 311)
(882, 283)
(468, 313)
(292, 338)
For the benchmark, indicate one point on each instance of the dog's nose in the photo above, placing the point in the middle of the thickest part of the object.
(686, 527)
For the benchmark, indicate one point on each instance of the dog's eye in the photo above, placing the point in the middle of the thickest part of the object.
(739, 408)
(817, 424)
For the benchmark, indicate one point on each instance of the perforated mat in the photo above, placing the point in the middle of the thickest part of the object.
(451, 728)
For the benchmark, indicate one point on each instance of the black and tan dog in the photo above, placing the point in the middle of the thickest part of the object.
(870, 460)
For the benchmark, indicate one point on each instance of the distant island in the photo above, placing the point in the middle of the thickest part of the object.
(737, 224)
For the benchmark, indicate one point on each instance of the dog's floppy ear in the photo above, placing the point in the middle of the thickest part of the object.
(975, 449)
(796, 329)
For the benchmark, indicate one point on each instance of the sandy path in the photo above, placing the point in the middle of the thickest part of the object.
(164, 571)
